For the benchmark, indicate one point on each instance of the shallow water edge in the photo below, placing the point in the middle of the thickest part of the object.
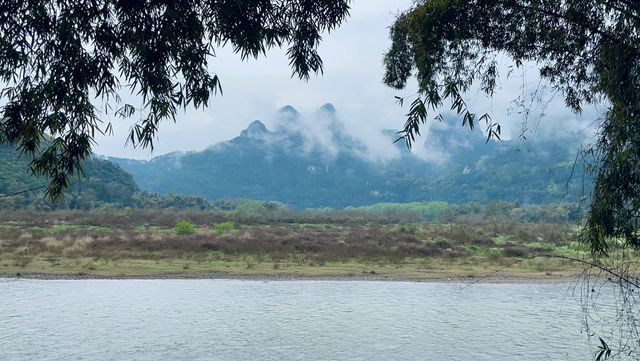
(490, 279)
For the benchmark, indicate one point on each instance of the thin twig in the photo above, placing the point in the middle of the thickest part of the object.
(467, 284)
(24, 191)
(595, 265)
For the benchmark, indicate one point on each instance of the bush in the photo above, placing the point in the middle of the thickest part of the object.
(184, 227)
(224, 227)
(514, 251)
(408, 228)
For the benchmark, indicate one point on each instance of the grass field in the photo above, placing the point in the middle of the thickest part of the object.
(202, 244)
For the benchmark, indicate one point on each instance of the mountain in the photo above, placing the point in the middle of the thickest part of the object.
(104, 183)
(310, 161)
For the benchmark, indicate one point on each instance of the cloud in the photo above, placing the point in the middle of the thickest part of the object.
(352, 82)
(254, 89)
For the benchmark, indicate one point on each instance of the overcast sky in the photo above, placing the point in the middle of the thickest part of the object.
(352, 57)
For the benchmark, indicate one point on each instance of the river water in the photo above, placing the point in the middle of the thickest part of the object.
(288, 320)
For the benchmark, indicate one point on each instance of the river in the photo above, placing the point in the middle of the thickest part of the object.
(288, 320)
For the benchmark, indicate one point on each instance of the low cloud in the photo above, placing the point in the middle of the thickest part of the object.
(352, 77)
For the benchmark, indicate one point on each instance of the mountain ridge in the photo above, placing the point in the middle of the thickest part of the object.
(311, 162)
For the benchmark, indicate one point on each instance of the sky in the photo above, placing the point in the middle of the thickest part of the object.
(352, 81)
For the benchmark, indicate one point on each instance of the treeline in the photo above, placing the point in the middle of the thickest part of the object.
(443, 211)
(169, 209)
(91, 196)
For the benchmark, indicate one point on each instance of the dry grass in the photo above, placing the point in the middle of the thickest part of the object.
(144, 242)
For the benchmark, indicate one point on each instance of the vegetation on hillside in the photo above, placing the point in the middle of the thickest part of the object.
(283, 165)
(103, 183)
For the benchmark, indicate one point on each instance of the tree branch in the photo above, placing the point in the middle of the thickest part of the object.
(17, 193)
(561, 17)
(600, 267)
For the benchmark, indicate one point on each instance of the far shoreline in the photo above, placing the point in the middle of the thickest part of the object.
(489, 279)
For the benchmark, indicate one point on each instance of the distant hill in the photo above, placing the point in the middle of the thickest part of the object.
(105, 183)
(314, 163)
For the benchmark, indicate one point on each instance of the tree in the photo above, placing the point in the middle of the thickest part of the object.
(58, 59)
(587, 49)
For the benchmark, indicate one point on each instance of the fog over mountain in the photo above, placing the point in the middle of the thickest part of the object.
(309, 160)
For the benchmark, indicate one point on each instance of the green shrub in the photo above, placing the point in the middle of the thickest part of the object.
(408, 228)
(224, 227)
(184, 227)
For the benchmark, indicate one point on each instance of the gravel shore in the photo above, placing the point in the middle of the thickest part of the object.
(281, 278)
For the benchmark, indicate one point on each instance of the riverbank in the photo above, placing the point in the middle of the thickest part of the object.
(414, 270)
(491, 279)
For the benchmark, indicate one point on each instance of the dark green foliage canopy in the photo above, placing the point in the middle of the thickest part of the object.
(60, 59)
(588, 50)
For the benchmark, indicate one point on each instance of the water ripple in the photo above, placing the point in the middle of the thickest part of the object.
(297, 320)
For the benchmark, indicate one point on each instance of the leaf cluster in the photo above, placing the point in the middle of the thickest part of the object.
(60, 59)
